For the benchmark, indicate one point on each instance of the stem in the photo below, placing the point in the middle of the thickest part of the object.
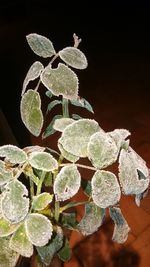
(80, 166)
(31, 188)
(65, 108)
(39, 187)
(73, 204)
(57, 211)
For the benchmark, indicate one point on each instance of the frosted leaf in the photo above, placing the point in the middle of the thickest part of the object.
(38, 228)
(41, 201)
(66, 154)
(129, 164)
(15, 205)
(1, 206)
(5, 174)
(73, 57)
(67, 183)
(119, 136)
(102, 150)
(32, 74)
(29, 149)
(8, 257)
(13, 153)
(92, 220)
(105, 189)
(61, 124)
(6, 228)
(40, 45)
(20, 243)
(61, 81)
(43, 161)
(76, 136)
(121, 228)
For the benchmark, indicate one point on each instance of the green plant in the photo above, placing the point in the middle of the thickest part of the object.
(36, 217)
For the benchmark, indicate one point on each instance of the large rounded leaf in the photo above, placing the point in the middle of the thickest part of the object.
(61, 81)
(31, 113)
(6, 175)
(13, 153)
(73, 57)
(105, 189)
(76, 136)
(8, 257)
(67, 183)
(39, 229)
(43, 161)
(15, 204)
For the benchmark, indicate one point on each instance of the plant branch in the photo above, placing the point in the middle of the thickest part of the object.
(72, 204)
(65, 108)
(80, 166)
(39, 187)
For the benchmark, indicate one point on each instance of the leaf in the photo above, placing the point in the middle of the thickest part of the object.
(73, 57)
(28, 171)
(129, 164)
(41, 201)
(67, 183)
(69, 221)
(105, 189)
(102, 150)
(82, 102)
(31, 113)
(76, 117)
(66, 154)
(6, 228)
(47, 252)
(6, 175)
(52, 104)
(86, 186)
(32, 74)
(119, 136)
(40, 45)
(65, 252)
(48, 180)
(43, 161)
(13, 153)
(121, 228)
(76, 136)
(50, 130)
(8, 257)
(61, 81)
(49, 94)
(38, 229)
(61, 124)
(20, 243)
(15, 205)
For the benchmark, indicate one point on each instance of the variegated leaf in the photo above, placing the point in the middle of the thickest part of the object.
(41, 201)
(8, 257)
(43, 161)
(61, 124)
(73, 57)
(13, 153)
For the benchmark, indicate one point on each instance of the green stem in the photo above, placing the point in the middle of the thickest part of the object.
(72, 204)
(57, 211)
(65, 108)
(80, 166)
(39, 187)
(31, 188)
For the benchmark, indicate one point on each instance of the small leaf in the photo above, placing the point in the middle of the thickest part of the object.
(49, 94)
(61, 124)
(50, 130)
(69, 221)
(43, 161)
(105, 189)
(13, 153)
(15, 205)
(8, 257)
(38, 229)
(65, 252)
(31, 112)
(41, 201)
(86, 186)
(76, 136)
(61, 81)
(121, 228)
(52, 104)
(32, 74)
(119, 136)
(66, 154)
(6, 228)
(76, 117)
(6, 175)
(40, 45)
(82, 102)
(73, 57)
(20, 243)
(67, 183)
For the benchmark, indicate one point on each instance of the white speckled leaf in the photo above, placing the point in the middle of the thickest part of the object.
(20, 243)
(6, 228)
(92, 220)
(73, 57)
(105, 189)
(121, 228)
(1, 206)
(129, 164)
(15, 204)
(66, 154)
(119, 136)
(41, 201)
(61, 81)
(5, 174)
(76, 136)
(40, 45)
(67, 183)
(13, 153)
(61, 124)
(43, 161)
(32, 74)
(38, 228)
(8, 257)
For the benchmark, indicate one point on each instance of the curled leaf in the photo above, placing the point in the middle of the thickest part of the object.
(13, 153)
(41, 201)
(43, 161)
(73, 57)
(61, 124)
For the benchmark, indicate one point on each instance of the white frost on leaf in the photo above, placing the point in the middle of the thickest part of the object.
(6, 228)
(43, 161)
(13, 153)
(61, 124)
(8, 257)
(73, 57)
(41, 201)
(119, 136)
(67, 155)
(6, 175)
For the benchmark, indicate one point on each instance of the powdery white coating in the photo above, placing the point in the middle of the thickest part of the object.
(6, 175)
(66, 154)
(105, 189)
(67, 183)
(61, 81)
(13, 153)
(41, 201)
(119, 136)
(73, 57)
(8, 257)
(61, 124)
(43, 161)
(6, 228)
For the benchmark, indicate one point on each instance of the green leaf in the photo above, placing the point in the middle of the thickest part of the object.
(6, 175)
(15, 204)
(92, 220)
(82, 102)
(67, 183)
(76, 136)
(38, 229)
(8, 257)
(121, 228)
(50, 130)
(47, 252)
(61, 124)
(31, 112)
(76, 117)
(52, 104)
(61, 81)
(129, 164)
(102, 150)
(49, 94)
(86, 186)
(20, 243)
(69, 221)
(43, 161)
(6, 228)
(40, 45)
(32, 74)
(73, 57)
(48, 180)
(66, 154)
(105, 189)
(13, 153)
(65, 252)
(41, 201)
